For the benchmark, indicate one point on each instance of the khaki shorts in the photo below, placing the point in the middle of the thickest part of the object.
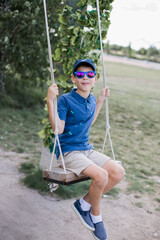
(77, 161)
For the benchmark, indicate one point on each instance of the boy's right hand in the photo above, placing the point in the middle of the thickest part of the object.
(52, 92)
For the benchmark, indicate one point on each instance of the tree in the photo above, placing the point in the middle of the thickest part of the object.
(23, 51)
(129, 49)
(142, 51)
(152, 51)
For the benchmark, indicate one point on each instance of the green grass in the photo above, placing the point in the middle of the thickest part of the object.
(139, 204)
(34, 180)
(27, 167)
(158, 200)
(74, 190)
(134, 120)
(19, 129)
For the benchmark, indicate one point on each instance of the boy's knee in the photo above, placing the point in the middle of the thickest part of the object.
(118, 173)
(101, 178)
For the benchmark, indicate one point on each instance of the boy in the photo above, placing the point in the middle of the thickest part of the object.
(77, 111)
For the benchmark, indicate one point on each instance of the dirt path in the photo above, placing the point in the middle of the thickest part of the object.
(26, 215)
(131, 61)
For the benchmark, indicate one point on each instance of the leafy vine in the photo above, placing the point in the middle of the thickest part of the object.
(78, 36)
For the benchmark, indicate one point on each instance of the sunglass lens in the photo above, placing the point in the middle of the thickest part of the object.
(80, 74)
(90, 74)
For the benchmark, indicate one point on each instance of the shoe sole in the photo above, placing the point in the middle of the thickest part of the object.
(81, 219)
(98, 238)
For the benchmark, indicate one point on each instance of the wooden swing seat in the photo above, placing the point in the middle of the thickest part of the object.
(57, 175)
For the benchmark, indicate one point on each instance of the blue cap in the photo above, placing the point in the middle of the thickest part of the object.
(89, 61)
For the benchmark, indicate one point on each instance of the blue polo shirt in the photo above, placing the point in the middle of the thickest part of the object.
(78, 114)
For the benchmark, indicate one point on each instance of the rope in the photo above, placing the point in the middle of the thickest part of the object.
(105, 84)
(55, 101)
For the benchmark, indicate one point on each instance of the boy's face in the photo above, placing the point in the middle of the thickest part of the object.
(84, 84)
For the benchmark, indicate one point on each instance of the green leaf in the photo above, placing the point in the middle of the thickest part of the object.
(82, 3)
(65, 41)
(69, 8)
(78, 16)
(76, 30)
(57, 53)
(73, 39)
(62, 20)
(42, 134)
(45, 120)
(71, 27)
(64, 49)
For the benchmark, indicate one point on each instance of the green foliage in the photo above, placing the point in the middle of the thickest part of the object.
(142, 51)
(19, 97)
(78, 36)
(23, 51)
(47, 134)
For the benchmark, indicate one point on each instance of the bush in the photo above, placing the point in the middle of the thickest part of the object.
(23, 97)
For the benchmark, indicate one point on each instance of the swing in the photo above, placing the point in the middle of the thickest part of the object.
(55, 174)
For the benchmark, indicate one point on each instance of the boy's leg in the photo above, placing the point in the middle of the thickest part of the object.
(115, 174)
(102, 181)
(114, 170)
(99, 178)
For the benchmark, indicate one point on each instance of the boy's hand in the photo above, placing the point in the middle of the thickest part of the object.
(104, 93)
(52, 92)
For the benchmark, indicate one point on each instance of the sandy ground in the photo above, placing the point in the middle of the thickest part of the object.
(27, 215)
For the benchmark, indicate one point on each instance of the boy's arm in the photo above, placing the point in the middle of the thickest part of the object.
(52, 93)
(104, 93)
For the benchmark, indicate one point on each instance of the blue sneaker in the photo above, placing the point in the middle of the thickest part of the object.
(100, 231)
(84, 216)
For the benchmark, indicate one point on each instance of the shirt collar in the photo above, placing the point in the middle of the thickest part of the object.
(79, 98)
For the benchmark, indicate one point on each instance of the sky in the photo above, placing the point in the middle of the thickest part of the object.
(136, 22)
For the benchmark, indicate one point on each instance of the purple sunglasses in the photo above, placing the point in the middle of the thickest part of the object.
(81, 74)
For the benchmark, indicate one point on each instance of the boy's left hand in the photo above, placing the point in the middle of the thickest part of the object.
(104, 93)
